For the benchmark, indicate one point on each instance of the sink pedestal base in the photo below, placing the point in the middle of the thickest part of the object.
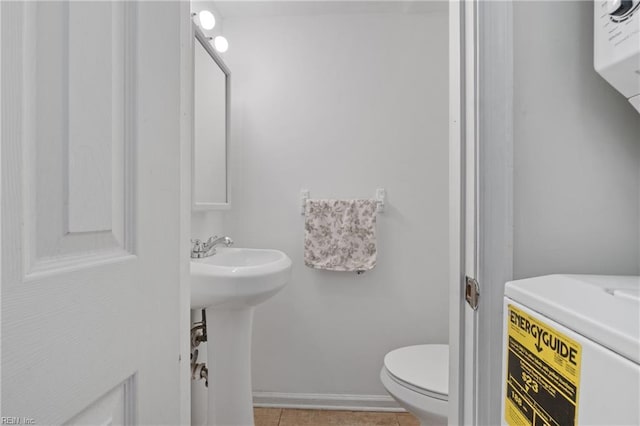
(230, 399)
(230, 284)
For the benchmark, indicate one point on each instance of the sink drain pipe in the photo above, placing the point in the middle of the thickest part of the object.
(198, 335)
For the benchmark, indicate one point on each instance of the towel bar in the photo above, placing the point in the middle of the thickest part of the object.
(381, 195)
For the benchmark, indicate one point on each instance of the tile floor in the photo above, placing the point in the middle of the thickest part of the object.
(295, 417)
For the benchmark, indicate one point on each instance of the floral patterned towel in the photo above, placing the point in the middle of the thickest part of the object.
(340, 235)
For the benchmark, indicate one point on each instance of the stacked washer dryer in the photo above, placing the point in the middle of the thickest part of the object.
(616, 55)
(571, 351)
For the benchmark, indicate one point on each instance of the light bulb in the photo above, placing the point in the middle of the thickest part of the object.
(207, 20)
(221, 44)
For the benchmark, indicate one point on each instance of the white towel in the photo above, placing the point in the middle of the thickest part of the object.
(340, 235)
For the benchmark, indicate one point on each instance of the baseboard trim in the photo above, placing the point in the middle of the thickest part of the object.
(320, 401)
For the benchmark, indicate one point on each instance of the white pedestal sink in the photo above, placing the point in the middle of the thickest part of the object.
(228, 285)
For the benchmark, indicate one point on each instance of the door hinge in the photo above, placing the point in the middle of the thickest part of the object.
(472, 292)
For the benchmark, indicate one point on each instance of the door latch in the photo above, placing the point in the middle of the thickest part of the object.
(472, 292)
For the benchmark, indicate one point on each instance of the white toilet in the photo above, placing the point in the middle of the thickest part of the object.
(418, 378)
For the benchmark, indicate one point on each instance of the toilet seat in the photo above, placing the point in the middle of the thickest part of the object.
(416, 389)
(422, 368)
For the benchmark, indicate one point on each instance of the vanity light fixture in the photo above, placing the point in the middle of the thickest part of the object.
(221, 44)
(207, 20)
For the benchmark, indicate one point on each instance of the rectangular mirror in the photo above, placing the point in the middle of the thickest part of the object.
(210, 179)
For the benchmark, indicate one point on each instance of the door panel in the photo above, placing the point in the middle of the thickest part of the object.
(96, 132)
(77, 139)
(114, 408)
(91, 266)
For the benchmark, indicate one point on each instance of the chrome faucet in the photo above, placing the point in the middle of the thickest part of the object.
(208, 248)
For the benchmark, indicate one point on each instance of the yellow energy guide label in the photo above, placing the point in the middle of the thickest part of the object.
(543, 373)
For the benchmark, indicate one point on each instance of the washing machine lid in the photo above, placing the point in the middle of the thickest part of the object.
(605, 309)
(425, 367)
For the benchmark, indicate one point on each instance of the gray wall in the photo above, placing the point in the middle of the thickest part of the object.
(576, 155)
(577, 150)
(342, 105)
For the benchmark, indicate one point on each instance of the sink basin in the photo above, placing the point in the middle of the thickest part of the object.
(238, 277)
(228, 285)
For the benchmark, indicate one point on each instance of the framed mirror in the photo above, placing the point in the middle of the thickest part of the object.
(210, 161)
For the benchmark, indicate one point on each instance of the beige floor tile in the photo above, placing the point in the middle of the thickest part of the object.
(291, 417)
(267, 416)
(407, 419)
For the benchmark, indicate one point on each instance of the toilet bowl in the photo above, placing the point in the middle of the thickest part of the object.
(418, 378)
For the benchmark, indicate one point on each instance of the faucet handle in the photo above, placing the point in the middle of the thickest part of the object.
(197, 244)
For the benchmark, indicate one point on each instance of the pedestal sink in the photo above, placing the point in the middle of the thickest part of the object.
(228, 285)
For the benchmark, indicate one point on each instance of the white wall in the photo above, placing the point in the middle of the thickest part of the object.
(577, 150)
(342, 105)
(576, 162)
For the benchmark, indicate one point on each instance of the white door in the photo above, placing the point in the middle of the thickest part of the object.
(91, 264)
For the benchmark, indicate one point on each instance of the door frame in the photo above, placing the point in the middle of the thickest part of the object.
(457, 62)
(481, 201)
(186, 182)
(1, 124)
